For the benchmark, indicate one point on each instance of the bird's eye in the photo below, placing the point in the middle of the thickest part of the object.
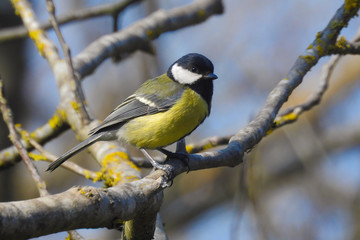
(194, 69)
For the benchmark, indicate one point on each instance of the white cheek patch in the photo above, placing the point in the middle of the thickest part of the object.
(184, 76)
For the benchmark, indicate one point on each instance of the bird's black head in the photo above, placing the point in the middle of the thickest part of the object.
(196, 71)
(191, 68)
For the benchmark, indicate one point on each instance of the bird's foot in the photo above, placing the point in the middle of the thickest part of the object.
(184, 157)
(165, 168)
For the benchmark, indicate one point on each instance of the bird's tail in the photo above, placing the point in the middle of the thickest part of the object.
(74, 151)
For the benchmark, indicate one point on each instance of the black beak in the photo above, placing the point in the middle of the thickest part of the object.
(210, 76)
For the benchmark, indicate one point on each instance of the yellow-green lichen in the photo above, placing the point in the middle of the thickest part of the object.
(310, 46)
(82, 191)
(269, 131)
(342, 43)
(107, 176)
(87, 174)
(351, 5)
(35, 35)
(318, 36)
(150, 33)
(27, 16)
(55, 121)
(335, 24)
(117, 223)
(62, 113)
(107, 173)
(41, 185)
(37, 157)
(76, 106)
(309, 59)
(286, 118)
(320, 50)
(208, 145)
(33, 135)
(23, 133)
(283, 119)
(201, 13)
(16, 6)
(189, 148)
(85, 192)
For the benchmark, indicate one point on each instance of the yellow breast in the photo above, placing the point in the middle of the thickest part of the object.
(161, 129)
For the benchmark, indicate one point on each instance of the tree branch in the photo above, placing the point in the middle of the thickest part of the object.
(47, 156)
(249, 136)
(40, 183)
(343, 47)
(72, 104)
(111, 9)
(130, 199)
(139, 34)
(203, 145)
(293, 113)
(80, 207)
(7, 115)
(50, 130)
(208, 143)
(177, 18)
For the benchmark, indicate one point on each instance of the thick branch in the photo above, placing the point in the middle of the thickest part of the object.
(80, 207)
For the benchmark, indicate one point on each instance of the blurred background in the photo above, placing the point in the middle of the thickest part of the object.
(300, 182)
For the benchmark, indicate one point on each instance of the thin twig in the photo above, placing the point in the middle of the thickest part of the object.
(7, 115)
(51, 129)
(208, 143)
(116, 7)
(291, 114)
(65, 48)
(49, 157)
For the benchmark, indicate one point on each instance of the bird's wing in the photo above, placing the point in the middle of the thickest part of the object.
(138, 105)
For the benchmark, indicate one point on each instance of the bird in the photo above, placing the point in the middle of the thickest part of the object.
(162, 111)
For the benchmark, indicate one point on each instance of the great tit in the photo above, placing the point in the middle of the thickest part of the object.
(162, 111)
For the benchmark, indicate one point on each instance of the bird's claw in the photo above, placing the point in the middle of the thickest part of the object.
(184, 157)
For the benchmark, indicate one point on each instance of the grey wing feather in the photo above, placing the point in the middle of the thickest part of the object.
(132, 108)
